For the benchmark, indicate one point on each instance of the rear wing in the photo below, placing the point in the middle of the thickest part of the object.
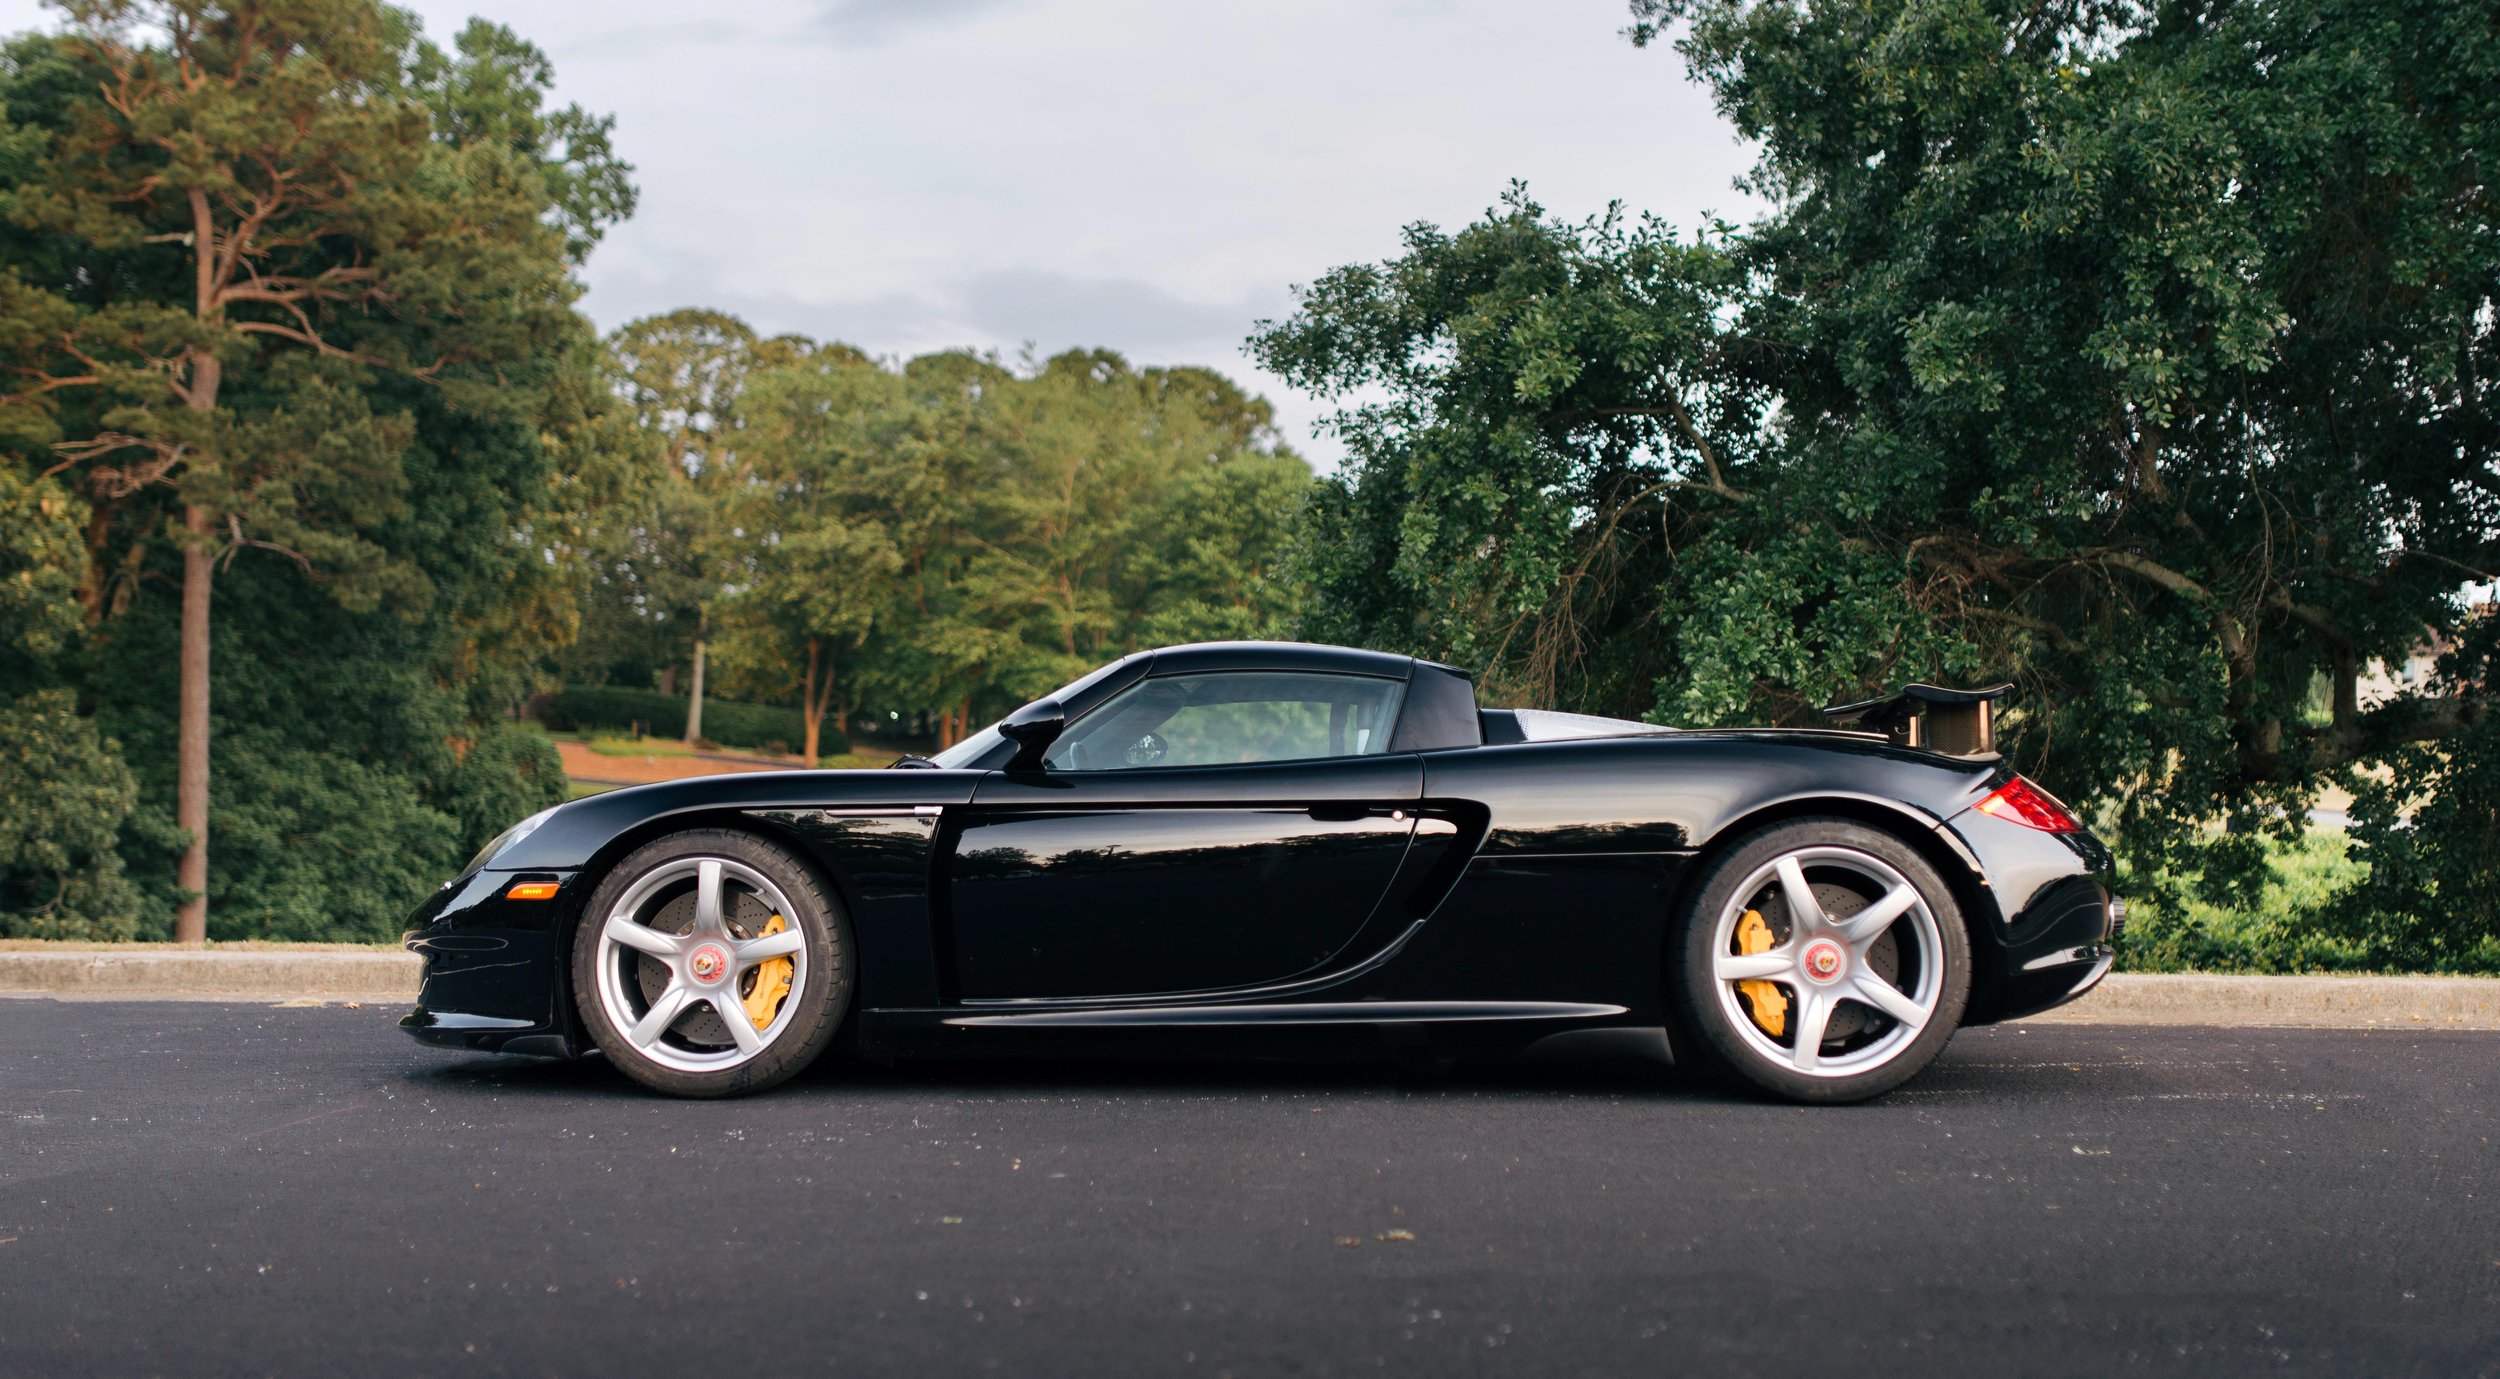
(1955, 722)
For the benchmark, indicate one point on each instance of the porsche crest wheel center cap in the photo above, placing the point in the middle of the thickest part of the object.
(708, 963)
(1822, 960)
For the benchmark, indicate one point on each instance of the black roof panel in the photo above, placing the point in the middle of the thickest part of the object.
(1341, 660)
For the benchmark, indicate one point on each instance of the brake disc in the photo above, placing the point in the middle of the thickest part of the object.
(747, 915)
(1884, 955)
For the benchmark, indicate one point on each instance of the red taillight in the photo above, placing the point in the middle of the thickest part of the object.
(2021, 802)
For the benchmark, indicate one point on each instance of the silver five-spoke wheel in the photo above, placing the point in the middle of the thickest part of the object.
(1852, 970)
(1821, 959)
(697, 961)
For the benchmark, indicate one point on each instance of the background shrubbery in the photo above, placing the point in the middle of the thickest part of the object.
(764, 727)
(2317, 910)
(2146, 357)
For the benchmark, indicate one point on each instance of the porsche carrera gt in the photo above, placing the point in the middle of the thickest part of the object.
(1290, 850)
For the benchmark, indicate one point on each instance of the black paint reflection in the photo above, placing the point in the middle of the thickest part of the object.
(1136, 902)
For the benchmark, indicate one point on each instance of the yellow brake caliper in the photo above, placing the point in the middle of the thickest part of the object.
(772, 981)
(1768, 1003)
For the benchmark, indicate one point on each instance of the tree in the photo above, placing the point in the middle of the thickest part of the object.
(1556, 420)
(243, 221)
(2157, 343)
(963, 535)
(1099, 518)
(681, 374)
(2142, 354)
(825, 569)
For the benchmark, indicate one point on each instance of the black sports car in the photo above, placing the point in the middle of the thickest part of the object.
(1284, 849)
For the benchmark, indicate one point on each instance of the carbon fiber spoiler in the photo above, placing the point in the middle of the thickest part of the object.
(1955, 722)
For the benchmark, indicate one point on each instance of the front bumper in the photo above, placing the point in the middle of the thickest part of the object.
(494, 978)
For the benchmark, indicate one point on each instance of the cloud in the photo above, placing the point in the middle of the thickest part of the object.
(636, 40)
(867, 23)
(1001, 309)
(1127, 314)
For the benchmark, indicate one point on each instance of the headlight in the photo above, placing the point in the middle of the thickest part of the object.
(506, 839)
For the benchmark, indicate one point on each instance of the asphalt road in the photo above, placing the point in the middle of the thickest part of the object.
(194, 1188)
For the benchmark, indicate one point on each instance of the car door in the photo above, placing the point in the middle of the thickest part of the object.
(1194, 833)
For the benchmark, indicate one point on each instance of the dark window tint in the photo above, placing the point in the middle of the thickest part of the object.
(1231, 718)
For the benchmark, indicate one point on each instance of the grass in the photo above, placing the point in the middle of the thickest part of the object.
(2303, 921)
(657, 747)
(610, 746)
(856, 761)
(672, 747)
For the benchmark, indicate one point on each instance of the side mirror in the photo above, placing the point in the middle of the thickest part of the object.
(1033, 728)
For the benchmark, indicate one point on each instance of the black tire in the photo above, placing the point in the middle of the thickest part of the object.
(818, 999)
(1845, 862)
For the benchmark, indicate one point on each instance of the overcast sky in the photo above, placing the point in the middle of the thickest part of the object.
(1147, 175)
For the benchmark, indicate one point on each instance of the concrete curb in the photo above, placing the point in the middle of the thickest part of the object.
(268, 975)
(209, 975)
(2315, 1002)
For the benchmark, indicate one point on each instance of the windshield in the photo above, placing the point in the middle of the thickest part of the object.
(970, 751)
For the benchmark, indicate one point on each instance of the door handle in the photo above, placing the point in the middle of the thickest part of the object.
(1350, 813)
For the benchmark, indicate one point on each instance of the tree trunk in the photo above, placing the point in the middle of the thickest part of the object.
(668, 681)
(199, 575)
(812, 704)
(191, 730)
(694, 698)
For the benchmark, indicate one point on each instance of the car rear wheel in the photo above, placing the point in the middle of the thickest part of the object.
(711, 963)
(1822, 961)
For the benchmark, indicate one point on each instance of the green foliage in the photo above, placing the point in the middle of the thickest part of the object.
(2316, 909)
(42, 564)
(491, 94)
(820, 565)
(351, 767)
(1085, 526)
(507, 774)
(612, 745)
(2144, 356)
(391, 368)
(316, 844)
(1547, 398)
(2294, 923)
(959, 535)
(68, 793)
(66, 787)
(726, 722)
(2157, 345)
(2429, 831)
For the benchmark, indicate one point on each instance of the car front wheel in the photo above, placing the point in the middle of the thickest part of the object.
(1822, 960)
(711, 963)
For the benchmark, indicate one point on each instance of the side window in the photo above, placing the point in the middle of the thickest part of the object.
(1229, 718)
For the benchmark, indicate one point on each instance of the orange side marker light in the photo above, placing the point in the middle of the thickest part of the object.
(532, 890)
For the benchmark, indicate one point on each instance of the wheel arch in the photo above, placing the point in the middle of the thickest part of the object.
(1981, 921)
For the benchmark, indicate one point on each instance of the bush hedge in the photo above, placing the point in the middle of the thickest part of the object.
(2314, 914)
(766, 727)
